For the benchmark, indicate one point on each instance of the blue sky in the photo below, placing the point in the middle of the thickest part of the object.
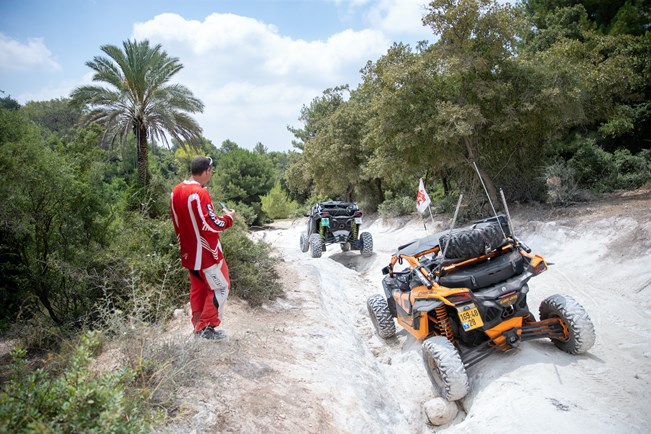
(253, 63)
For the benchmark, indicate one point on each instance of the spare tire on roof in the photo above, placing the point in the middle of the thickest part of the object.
(472, 241)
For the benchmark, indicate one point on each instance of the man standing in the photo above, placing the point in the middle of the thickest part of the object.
(197, 230)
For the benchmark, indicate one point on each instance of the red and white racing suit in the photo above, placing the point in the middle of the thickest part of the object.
(197, 230)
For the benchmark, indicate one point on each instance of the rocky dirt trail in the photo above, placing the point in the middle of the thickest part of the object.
(311, 362)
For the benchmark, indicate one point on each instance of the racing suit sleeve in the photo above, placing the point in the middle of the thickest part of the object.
(213, 222)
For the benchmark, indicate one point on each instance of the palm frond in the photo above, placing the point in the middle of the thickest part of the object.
(138, 95)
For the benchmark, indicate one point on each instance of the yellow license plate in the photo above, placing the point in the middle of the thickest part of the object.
(469, 316)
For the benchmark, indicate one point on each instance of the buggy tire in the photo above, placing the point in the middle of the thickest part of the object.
(305, 245)
(378, 310)
(316, 245)
(345, 246)
(367, 244)
(576, 319)
(445, 368)
(472, 242)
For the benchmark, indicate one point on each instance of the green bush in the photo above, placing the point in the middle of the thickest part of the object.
(593, 167)
(246, 212)
(632, 171)
(74, 400)
(562, 187)
(277, 205)
(601, 171)
(251, 267)
(446, 204)
(397, 206)
(140, 273)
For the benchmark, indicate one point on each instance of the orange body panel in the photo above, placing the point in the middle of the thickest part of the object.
(496, 332)
(407, 299)
(437, 292)
(423, 327)
(535, 259)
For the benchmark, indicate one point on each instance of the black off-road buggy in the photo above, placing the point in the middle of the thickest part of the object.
(335, 222)
(471, 301)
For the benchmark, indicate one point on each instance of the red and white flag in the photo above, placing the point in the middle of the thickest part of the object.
(422, 198)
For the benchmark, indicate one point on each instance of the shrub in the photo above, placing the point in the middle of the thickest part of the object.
(561, 183)
(74, 400)
(276, 204)
(446, 204)
(246, 212)
(602, 171)
(593, 167)
(632, 171)
(397, 206)
(140, 274)
(251, 267)
(163, 367)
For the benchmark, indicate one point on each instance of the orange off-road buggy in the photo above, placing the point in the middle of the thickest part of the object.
(473, 304)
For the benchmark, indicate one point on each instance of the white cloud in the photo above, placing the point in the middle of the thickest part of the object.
(218, 32)
(34, 55)
(327, 60)
(399, 17)
(401, 20)
(247, 113)
(252, 80)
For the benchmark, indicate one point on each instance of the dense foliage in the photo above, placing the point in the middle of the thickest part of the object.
(512, 92)
(78, 230)
(74, 400)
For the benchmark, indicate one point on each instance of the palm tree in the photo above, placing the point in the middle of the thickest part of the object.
(139, 98)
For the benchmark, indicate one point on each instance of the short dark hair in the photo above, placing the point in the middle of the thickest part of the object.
(200, 165)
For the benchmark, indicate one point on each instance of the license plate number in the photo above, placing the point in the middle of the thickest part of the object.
(469, 316)
(358, 220)
(325, 221)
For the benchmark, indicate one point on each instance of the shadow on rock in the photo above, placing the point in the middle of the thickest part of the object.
(354, 261)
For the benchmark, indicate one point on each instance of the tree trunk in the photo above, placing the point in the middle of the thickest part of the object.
(490, 187)
(378, 185)
(141, 138)
(41, 291)
(446, 183)
(349, 193)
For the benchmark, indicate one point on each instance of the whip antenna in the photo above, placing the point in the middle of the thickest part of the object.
(447, 241)
(489, 199)
(508, 215)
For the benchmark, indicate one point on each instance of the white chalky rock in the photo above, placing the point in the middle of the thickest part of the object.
(439, 411)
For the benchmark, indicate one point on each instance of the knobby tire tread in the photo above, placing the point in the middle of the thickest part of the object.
(448, 368)
(582, 332)
(378, 309)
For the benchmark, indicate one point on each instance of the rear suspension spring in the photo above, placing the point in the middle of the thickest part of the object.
(443, 322)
